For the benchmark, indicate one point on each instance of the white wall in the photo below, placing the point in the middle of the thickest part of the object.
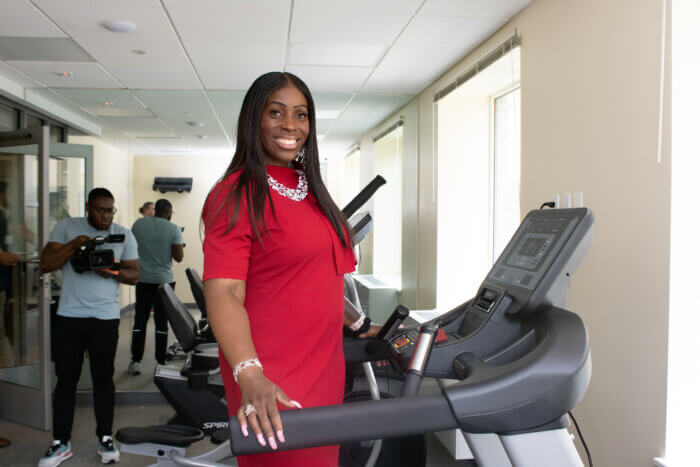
(187, 207)
(684, 321)
(590, 98)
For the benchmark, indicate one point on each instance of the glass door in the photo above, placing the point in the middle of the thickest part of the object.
(40, 183)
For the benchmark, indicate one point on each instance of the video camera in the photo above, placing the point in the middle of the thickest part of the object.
(88, 258)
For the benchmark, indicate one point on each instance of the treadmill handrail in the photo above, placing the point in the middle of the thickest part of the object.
(363, 196)
(491, 399)
(347, 423)
(560, 359)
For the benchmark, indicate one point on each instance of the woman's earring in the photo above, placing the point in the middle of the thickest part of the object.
(300, 156)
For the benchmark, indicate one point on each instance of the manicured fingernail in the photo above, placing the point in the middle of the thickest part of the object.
(261, 440)
(244, 430)
(280, 436)
(273, 445)
(296, 404)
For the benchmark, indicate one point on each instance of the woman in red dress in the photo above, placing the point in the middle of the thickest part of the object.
(275, 250)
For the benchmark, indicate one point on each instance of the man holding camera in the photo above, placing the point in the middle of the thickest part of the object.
(160, 242)
(87, 320)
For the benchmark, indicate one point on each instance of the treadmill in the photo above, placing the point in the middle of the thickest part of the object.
(510, 363)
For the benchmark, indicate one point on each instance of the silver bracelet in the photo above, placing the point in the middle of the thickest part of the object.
(245, 364)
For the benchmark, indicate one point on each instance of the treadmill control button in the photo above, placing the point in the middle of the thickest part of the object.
(441, 336)
(400, 342)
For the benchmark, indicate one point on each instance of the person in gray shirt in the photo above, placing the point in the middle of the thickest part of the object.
(160, 241)
(87, 320)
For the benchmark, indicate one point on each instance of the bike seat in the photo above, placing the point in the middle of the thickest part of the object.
(171, 435)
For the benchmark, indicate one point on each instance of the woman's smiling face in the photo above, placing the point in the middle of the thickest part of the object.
(284, 125)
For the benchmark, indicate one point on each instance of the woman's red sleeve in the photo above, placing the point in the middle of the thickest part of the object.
(226, 253)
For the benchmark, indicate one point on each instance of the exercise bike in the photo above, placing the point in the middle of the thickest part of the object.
(205, 333)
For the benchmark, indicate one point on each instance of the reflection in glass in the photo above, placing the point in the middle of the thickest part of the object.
(19, 284)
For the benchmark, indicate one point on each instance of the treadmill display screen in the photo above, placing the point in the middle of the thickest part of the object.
(530, 253)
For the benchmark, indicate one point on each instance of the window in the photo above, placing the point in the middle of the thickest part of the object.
(506, 169)
(478, 174)
(8, 118)
(32, 121)
(351, 176)
(387, 215)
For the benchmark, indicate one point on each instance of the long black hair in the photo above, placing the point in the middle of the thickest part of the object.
(250, 161)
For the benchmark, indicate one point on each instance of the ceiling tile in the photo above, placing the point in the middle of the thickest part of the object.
(334, 54)
(364, 113)
(441, 31)
(35, 49)
(20, 78)
(359, 8)
(106, 102)
(398, 72)
(164, 65)
(323, 29)
(234, 66)
(178, 107)
(227, 105)
(331, 79)
(228, 22)
(330, 102)
(323, 126)
(232, 42)
(83, 75)
(141, 126)
(474, 8)
(175, 102)
(19, 18)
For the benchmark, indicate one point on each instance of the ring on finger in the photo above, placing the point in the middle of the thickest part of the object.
(249, 409)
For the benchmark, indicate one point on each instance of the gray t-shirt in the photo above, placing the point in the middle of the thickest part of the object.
(89, 295)
(155, 237)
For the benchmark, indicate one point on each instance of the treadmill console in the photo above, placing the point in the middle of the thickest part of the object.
(532, 272)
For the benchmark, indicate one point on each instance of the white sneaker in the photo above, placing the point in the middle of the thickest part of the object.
(135, 368)
(107, 450)
(57, 453)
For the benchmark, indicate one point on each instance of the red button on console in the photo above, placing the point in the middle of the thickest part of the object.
(400, 342)
(441, 336)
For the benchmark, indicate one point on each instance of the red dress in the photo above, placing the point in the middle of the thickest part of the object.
(294, 300)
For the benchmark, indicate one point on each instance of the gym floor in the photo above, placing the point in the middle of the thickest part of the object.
(29, 444)
(138, 404)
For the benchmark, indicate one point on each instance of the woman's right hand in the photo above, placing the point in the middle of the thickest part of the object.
(263, 395)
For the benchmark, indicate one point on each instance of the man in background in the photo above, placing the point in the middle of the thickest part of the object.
(160, 241)
(87, 320)
(147, 210)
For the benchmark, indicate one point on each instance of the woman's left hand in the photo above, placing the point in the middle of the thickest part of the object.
(371, 332)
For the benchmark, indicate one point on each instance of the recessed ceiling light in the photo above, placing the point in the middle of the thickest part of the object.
(138, 52)
(195, 124)
(64, 74)
(119, 26)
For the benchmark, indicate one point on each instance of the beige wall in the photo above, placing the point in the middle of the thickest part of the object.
(112, 170)
(590, 97)
(187, 207)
